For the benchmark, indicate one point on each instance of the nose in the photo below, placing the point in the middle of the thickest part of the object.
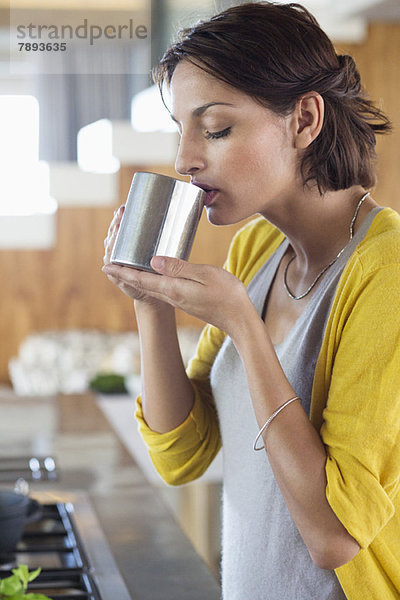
(190, 158)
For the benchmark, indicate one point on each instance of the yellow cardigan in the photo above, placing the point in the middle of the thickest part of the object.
(355, 401)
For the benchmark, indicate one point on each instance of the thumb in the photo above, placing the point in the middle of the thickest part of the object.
(173, 267)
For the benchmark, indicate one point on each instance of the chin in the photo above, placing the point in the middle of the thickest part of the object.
(217, 219)
(220, 218)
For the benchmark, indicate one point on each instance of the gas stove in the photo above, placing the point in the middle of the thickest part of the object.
(69, 546)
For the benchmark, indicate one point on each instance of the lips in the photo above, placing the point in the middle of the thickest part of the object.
(210, 197)
(210, 192)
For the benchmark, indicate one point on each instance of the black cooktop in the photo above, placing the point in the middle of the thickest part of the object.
(54, 544)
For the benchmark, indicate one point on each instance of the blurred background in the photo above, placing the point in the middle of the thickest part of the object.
(73, 131)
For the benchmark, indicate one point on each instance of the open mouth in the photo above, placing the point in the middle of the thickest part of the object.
(210, 192)
(210, 195)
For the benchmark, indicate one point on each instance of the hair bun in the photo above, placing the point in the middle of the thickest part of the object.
(350, 83)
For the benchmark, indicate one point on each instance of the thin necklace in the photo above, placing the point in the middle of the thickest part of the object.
(318, 277)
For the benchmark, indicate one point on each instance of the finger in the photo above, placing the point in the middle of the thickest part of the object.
(113, 280)
(116, 220)
(178, 268)
(108, 251)
(109, 246)
(119, 212)
(151, 284)
(117, 275)
(112, 234)
(124, 275)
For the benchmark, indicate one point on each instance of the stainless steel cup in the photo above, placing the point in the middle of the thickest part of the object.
(161, 218)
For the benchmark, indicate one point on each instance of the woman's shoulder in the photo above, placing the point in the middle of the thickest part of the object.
(381, 246)
(251, 246)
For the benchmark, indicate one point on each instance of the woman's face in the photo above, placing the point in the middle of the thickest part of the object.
(232, 145)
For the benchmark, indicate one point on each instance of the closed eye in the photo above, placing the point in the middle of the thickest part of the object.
(217, 134)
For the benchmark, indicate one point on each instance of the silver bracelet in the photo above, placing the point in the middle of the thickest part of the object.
(268, 423)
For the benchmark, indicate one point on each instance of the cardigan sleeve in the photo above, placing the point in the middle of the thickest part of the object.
(361, 428)
(184, 454)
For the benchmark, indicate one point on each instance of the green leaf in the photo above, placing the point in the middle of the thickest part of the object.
(34, 574)
(11, 586)
(23, 573)
(29, 596)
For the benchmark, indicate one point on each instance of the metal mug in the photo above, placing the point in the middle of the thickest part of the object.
(160, 218)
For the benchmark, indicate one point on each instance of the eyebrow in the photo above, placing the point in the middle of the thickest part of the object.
(197, 112)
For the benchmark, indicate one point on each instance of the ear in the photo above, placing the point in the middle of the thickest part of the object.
(308, 118)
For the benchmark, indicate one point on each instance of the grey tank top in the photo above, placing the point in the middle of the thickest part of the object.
(264, 556)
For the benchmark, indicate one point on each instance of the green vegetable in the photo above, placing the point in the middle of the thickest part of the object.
(15, 586)
(108, 383)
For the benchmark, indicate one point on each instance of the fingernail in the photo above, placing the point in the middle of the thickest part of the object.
(158, 262)
(106, 269)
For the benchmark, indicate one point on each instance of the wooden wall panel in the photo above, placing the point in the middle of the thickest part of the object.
(378, 60)
(60, 288)
(65, 288)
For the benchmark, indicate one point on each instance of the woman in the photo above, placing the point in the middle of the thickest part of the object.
(302, 348)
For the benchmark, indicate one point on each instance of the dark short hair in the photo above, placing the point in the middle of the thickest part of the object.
(276, 53)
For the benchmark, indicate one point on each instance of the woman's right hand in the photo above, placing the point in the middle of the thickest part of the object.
(132, 291)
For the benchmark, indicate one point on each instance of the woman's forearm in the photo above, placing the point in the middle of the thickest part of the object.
(295, 450)
(167, 396)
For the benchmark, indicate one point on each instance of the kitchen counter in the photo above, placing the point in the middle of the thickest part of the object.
(154, 557)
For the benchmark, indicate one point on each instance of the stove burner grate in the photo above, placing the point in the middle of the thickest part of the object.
(63, 584)
(53, 544)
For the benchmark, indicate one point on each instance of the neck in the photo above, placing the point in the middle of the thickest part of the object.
(319, 227)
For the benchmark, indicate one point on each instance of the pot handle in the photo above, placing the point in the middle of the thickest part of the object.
(34, 512)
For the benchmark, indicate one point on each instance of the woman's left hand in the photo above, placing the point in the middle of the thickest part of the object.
(204, 291)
